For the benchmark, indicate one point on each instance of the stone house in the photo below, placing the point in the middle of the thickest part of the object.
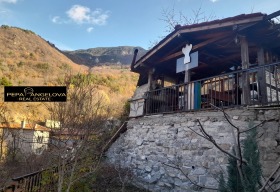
(232, 63)
(26, 138)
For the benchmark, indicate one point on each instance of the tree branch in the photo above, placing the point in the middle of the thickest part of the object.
(269, 178)
(210, 138)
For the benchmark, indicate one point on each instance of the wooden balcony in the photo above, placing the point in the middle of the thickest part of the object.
(260, 88)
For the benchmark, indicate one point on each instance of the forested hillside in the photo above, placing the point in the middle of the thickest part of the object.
(26, 59)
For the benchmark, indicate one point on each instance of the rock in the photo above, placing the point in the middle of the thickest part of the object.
(168, 185)
(199, 171)
(202, 179)
(271, 156)
(268, 143)
(235, 117)
(178, 182)
(205, 146)
(225, 146)
(143, 157)
(148, 169)
(272, 115)
(194, 140)
(162, 171)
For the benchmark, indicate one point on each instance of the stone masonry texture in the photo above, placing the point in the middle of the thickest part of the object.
(151, 143)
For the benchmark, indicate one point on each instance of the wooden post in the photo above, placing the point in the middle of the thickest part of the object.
(245, 65)
(186, 91)
(187, 76)
(147, 101)
(261, 77)
(150, 79)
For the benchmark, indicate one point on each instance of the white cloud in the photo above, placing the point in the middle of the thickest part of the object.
(57, 19)
(89, 29)
(81, 14)
(8, 1)
(214, 1)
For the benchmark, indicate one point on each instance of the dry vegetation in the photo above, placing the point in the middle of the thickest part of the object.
(117, 83)
(28, 60)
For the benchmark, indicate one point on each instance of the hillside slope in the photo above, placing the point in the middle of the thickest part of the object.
(27, 59)
(121, 55)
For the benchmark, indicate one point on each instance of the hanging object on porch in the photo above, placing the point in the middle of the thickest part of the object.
(193, 96)
(186, 50)
(180, 66)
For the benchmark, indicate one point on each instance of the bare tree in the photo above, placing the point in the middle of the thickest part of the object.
(173, 18)
(3, 134)
(74, 148)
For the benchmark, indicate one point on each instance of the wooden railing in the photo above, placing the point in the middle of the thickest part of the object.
(40, 181)
(227, 89)
(45, 180)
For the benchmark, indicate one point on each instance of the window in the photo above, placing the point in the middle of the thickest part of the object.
(40, 139)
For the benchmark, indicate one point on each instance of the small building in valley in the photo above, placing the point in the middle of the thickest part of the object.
(25, 138)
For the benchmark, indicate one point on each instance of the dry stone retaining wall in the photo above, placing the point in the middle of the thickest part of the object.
(153, 142)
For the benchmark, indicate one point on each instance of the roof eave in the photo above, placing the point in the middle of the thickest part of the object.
(195, 28)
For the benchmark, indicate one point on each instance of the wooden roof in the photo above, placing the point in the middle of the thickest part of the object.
(27, 126)
(216, 43)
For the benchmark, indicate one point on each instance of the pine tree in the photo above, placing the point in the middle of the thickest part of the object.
(234, 183)
(252, 170)
(222, 184)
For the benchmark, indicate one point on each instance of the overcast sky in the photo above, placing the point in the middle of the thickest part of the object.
(73, 24)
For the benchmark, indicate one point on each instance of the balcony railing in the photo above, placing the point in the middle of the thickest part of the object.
(40, 181)
(254, 86)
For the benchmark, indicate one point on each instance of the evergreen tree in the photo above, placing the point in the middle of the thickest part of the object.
(252, 171)
(234, 183)
(222, 184)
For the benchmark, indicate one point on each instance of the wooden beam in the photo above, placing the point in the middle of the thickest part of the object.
(156, 48)
(195, 47)
(176, 48)
(220, 25)
(150, 79)
(245, 65)
(272, 15)
(261, 77)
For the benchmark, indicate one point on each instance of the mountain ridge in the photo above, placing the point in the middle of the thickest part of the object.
(120, 55)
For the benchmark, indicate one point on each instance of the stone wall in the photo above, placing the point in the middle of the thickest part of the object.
(153, 142)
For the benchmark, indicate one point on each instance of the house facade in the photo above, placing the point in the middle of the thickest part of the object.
(230, 64)
(25, 138)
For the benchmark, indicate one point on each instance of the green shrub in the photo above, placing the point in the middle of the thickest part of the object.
(44, 66)
(5, 82)
(5, 26)
(20, 64)
(64, 66)
(32, 56)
